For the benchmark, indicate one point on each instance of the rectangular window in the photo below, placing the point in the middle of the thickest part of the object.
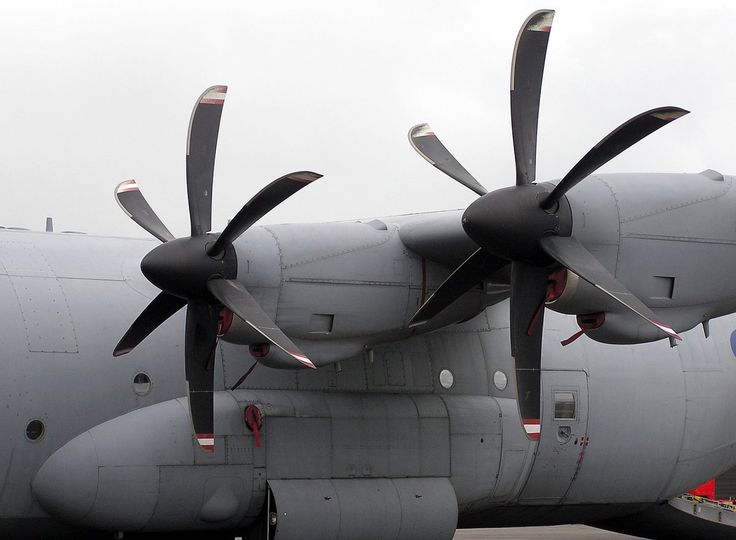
(565, 405)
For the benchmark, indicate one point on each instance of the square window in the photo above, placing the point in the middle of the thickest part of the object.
(564, 406)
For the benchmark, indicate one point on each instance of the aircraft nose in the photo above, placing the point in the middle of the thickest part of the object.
(66, 484)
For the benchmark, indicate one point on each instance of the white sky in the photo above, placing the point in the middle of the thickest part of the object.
(97, 92)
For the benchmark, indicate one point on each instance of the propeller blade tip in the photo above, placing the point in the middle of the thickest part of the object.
(541, 21)
(120, 350)
(214, 95)
(667, 330)
(420, 130)
(206, 441)
(303, 359)
(417, 323)
(125, 186)
(305, 176)
(532, 427)
(670, 113)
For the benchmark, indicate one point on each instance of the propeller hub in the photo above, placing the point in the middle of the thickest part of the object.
(182, 267)
(509, 222)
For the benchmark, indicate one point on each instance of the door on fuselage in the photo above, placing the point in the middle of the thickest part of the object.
(564, 437)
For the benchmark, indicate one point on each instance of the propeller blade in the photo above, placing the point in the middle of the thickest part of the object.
(527, 68)
(427, 145)
(472, 271)
(133, 203)
(238, 300)
(199, 355)
(571, 254)
(263, 202)
(161, 308)
(528, 290)
(204, 126)
(621, 138)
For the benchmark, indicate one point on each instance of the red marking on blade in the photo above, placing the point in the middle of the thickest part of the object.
(129, 185)
(669, 116)
(224, 322)
(206, 441)
(535, 319)
(556, 283)
(532, 428)
(215, 96)
(305, 178)
(303, 359)
(422, 130)
(666, 329)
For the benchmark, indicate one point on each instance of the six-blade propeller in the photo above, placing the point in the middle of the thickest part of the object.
(529, 226)
(199, 271)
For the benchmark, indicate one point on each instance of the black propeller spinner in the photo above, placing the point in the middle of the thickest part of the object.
(199, 271)
(527, 225)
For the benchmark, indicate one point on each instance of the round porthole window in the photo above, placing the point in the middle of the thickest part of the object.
(35, 430)
(446, 379)
(141, 384)
(500, 380)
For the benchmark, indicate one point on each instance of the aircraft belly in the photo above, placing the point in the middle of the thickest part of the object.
(353, 509)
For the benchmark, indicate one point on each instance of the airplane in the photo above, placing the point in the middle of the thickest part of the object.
(392, 378)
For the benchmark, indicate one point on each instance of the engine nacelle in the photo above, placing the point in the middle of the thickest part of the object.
(602, 318)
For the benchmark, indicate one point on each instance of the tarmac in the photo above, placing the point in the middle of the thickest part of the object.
(562, 532)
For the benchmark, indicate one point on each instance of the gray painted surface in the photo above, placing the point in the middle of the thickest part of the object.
(658, 419)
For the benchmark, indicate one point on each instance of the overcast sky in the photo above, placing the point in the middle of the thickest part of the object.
(96, 92)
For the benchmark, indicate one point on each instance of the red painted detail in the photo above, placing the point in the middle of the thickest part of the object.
(241, 380)
(576, 335)
(129, 185)
(707, 490)
(535, 319)
(305, 177)
(259, 350)
(215, 101)
(303, 359)
(532, 427)
(556, 283)
(586, 322)
(583, 445)
(545, 29)
(224, 322)
(254, 421)
(206, 441)
(666, 329)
